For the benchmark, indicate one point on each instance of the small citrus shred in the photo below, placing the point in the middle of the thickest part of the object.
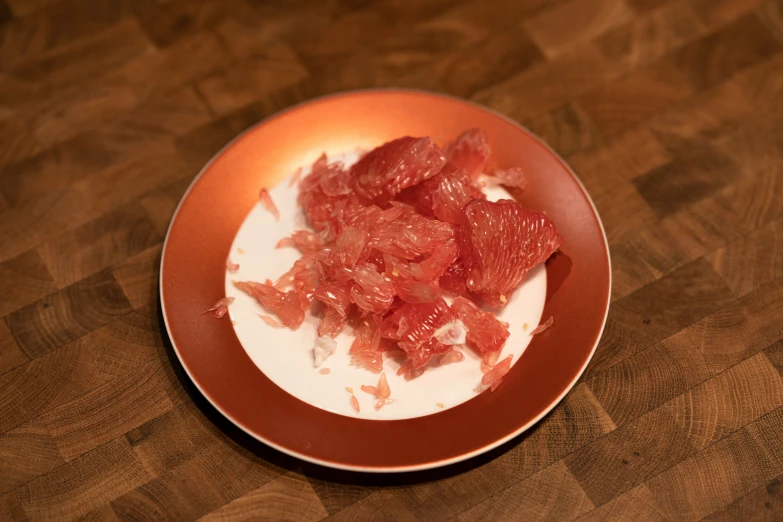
(271, 321)
(220, 308)
(493, 377)
(295, 178)
(267, 203)
(355, 403)
(451, 357)
(543, 326)
(513, 177)
(372, 390)
(288, 306)
(488, 361)
(285, 242)
(382, 402)
(324, 371)
(384, 392)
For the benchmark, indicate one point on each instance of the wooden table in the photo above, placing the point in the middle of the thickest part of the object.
(671, 112)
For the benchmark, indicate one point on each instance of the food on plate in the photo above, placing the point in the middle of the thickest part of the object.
(405, 250)
(383, 402)
(220, 308)
(382, 391)
(543, 326)
(231, 267)
(271, 321)
(497, 262)
(267, 203)
(493, 377)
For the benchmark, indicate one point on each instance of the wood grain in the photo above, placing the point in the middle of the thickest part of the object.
(64, 316)
(633, 98)
(287, 498)
(690, 489)
(775, 355)
(220, 473)
(576, 22)
(758, 199)
(189, 59)
(650, 35)
(467, 71)
(172, 439)
(103, 51)
(567, 129)
(658, 311)
(19, 143)
(670, 112)
(534, 91)
(635, 504)
(725, 403)
(10, 354)
(60, 24)
(686, 180)
(77, 487)
(277, 68)
(28, 280)
(764, 503)
(550, 494)
(138, 274)
(84, 250)
(104, 411)
(611, 165)
(752, 261)
(629, 455)
(27, 451)
(37, 177)
(72, 110)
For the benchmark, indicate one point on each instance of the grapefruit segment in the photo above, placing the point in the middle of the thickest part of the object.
(385, 171)
(288, 306)
(486, 333)
(470, 152)
(501, 242)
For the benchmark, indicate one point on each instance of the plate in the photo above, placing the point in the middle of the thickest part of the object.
(262, 378)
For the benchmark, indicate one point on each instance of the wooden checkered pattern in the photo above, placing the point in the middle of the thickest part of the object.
(670, 111)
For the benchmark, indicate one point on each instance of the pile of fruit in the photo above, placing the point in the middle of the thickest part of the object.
(391, 236)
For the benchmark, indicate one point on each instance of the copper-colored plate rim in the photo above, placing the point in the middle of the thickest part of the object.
(386, 469)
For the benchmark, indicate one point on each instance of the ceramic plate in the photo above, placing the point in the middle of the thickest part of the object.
(262, 378)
